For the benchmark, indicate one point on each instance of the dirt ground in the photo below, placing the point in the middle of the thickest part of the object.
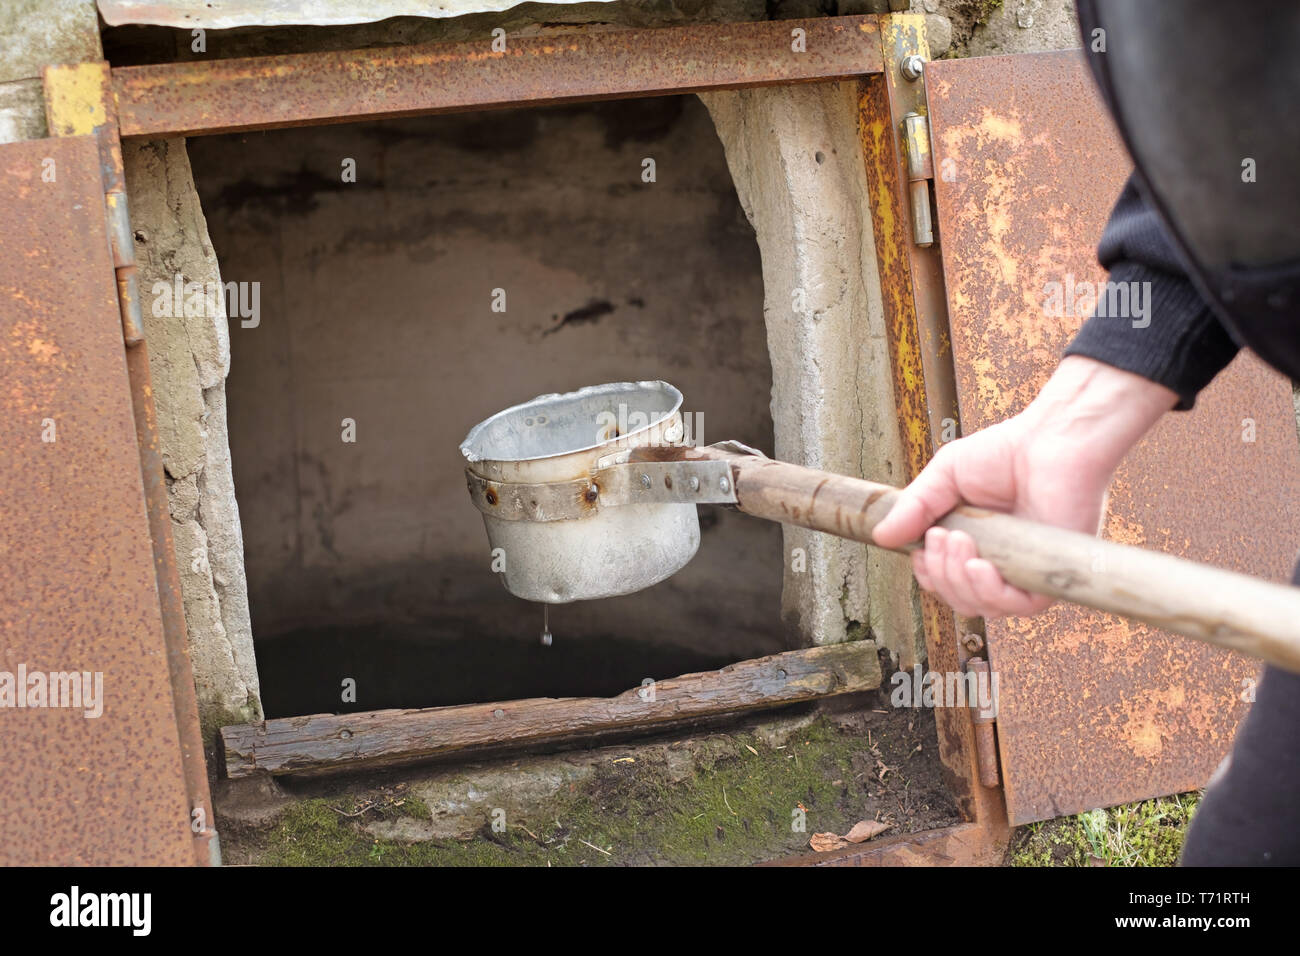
(744, 792)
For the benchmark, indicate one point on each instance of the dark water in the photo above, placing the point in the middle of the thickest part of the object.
(303, 672)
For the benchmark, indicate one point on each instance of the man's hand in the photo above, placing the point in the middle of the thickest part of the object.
(1051, 463)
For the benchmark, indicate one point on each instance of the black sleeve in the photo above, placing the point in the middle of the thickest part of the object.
(1175, 341)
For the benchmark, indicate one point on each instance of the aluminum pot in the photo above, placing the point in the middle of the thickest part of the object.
(580, 550)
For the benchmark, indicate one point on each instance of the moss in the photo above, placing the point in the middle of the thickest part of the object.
(1149, 833)
(738, 807)
(985, 9)
(214, 714)
(857, 631)
(413, 806)
(967, 16)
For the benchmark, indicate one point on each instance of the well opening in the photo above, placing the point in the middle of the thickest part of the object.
(476, 261)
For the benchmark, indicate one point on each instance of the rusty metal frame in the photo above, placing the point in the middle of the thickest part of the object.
(924, 381)
(78, 102)
(1096, 709)
(218, 96)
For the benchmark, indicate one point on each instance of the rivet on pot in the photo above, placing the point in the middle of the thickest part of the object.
(491, 496)
(592, 493)
(725, 484)
(668, 481)
(498, 712)
(695, 483)
(645, 481)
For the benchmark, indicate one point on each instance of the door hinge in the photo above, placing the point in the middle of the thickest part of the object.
(983, 702)
(920, 173)
(79, 101)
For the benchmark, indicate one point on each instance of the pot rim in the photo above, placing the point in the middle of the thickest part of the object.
(542, 400)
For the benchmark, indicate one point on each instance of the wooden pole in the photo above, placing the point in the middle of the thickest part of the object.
(1231, 610)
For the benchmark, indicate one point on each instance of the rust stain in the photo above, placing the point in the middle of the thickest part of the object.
(215, 96)
(1093, 710)
(78, 587)
(916, 308)
(891, 235)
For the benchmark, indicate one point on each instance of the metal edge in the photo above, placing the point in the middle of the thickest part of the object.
(217, 96)
(915, 303)
(78, 101)
(639, 483)
(550, 397)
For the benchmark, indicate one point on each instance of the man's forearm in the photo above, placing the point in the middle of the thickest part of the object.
(1178, 341)
(1094, 412)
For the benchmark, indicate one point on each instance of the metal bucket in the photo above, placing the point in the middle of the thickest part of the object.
(565, 518)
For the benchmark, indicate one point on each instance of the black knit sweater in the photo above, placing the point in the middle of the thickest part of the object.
(1185, 345)
(1199, 314)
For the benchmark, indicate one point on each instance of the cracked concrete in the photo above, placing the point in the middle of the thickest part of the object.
(189, 359)
(797, 166)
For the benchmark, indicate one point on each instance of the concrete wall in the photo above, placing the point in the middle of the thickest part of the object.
(377, 306)
(189, 358)
(959, 28)
(797, 162)
(33, 35)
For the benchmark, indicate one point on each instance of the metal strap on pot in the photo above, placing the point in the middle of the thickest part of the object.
(633, 483)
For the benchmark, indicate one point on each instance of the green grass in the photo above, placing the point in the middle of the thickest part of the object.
(1149, 833)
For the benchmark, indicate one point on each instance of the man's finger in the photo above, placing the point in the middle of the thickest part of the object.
(937, 552)
(994, 592)
(927, 499)
(961, 548)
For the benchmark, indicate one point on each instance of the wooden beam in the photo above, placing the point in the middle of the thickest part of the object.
(388, 737)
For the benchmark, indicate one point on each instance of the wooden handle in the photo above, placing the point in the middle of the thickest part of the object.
(1210, 604)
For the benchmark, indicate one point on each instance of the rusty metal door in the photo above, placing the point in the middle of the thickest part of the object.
(1094, 711)
(90, 753)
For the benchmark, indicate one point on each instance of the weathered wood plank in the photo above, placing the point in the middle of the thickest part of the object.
(386, 737)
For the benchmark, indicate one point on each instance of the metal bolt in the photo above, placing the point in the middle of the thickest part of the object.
(645, 481)
(912, 67)
(498, 713)
(725, 484)
(695, 483)
(973, 643)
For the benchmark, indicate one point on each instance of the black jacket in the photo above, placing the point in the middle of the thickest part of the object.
(1205, 301)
